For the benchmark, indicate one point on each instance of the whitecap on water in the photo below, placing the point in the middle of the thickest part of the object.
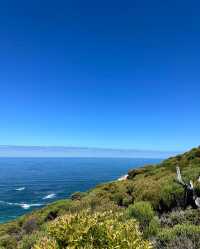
(50, 196)
(20, 189)
(22, 205)
(27, 206)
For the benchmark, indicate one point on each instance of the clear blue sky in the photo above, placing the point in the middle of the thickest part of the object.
(114, 74)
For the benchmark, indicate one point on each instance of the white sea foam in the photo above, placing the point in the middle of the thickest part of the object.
(27, 206)
(122, 178)
(22, 205)
(20, 189)
(50, 196)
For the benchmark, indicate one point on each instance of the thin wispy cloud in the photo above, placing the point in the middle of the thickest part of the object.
(64, 151)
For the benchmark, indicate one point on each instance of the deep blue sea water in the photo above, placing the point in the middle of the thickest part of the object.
(30, 183)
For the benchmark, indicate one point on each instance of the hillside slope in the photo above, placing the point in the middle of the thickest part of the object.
(108, 215)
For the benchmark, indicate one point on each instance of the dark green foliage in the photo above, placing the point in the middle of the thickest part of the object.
(118, 199)
(153, 228)
(52, 215)
(144, 213)
(77, 195)
(127, 200)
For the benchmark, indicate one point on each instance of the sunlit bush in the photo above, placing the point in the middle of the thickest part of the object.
(46, 243)
(29, 240)
(144, 213)
(100, 230)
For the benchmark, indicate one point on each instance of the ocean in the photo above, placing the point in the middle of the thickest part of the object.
(30, 183)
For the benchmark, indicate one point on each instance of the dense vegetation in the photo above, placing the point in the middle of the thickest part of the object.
(145, 211)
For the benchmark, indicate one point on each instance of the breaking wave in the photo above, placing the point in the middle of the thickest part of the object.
(22, 205)
(20, 189)
(50, 196)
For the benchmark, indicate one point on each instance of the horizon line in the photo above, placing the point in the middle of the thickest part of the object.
(86, 147)
(80, 152)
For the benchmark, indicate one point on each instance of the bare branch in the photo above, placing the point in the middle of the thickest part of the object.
(197, 202)
(190, 196)
(191, 184)
(179, 177)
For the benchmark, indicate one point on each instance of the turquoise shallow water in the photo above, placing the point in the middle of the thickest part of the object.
(30, 183)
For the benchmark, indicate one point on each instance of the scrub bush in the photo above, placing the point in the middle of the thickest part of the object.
(179, 235)
(142, 211)
(94, 231)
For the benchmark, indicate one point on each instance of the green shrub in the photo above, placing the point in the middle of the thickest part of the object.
(142, 211)
(29, 240)
(127, 200)
(172, 195)
(94, 231)
(118, 198)
(8, 242)
(46, 243)
(153, 228)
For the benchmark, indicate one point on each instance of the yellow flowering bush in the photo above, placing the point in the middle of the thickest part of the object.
(46, 243)
(105, 230)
